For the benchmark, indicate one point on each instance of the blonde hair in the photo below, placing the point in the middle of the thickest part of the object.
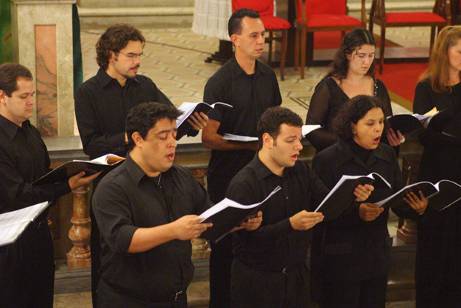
(437, 71)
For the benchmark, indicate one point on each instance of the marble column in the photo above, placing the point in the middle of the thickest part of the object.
(42, 40)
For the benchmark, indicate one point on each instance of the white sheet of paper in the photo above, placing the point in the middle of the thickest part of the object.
(187, 108)
(239, 138)
(307, 129)
(225, 203)
(12, 224)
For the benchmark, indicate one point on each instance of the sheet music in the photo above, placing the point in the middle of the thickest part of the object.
(225, 203)
(239, 138)
(12, 224)
(188, 108)
(307, 129)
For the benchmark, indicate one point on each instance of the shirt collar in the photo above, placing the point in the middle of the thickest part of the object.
(134, 169)
(347, 154)
(237, 70)
(104, 78)
(262, 171)
(10, 128)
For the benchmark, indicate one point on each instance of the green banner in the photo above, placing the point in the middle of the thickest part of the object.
(6, 39)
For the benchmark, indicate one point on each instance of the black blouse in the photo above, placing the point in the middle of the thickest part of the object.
(327, 100)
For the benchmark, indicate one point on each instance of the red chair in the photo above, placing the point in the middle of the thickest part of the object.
(436, 19)
(272, 23)
(321, 15)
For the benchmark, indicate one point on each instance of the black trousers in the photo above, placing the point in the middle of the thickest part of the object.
(27, 269)
(354, 294)
(110, 298)
(95, 259)
(252, 288)
(443, 294)
(221, 253)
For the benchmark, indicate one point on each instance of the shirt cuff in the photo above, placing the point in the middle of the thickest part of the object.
(125, 236)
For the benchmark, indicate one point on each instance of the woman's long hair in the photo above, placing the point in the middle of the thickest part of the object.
(351, 41)
(438, 69)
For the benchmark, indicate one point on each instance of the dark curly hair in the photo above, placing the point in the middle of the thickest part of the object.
(114, 39)
(354, 110)
(351, 41)
(144, 116)
(273, 118)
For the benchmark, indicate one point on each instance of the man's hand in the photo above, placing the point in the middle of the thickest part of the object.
(418, 202)
(188, 227)
(305, 220)
(252, 223)
(395, 138)
(369, 211)
(362, 192)
(80, 179)
(198, 120)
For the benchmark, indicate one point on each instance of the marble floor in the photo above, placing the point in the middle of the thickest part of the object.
(174, 59)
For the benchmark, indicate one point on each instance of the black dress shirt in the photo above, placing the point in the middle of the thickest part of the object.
(23, 159)
(127, 199)
(349, 248)
(275, 245)
(101, 107)
(250, 96)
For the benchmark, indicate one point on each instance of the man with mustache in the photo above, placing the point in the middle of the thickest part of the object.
(103, 101)
(251, 87)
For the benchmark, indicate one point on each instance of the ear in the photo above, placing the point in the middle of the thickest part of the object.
(137, 139)
(113, 56)
(354, 129)
(234, 39)
(2, 96)
(268, 141)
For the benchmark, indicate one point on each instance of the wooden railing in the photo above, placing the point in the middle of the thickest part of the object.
(71, 224)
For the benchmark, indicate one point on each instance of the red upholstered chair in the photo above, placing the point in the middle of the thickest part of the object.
(321, 15)
(435, 19)
(272, 23)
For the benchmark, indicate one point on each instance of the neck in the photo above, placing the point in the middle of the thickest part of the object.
(355, 78)
(137, 158)
(267, 161)
(453, 76)
(112, 73)
(248, 64)
(11, 118)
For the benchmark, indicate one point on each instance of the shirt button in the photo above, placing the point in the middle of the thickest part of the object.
(286, 198)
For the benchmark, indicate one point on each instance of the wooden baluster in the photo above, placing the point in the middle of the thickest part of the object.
(79, 255)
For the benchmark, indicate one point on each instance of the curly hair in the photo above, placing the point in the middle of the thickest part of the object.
(114, 39)
(355, 109)
(351, 41)
(144, 116)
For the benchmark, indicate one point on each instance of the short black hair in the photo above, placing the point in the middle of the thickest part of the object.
(351, 112)
(9, 74)
(114, 39)
(273, 118)
(235, 21)
(144, 116)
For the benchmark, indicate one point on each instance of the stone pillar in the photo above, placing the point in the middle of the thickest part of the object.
(80, 256)
(42, 40)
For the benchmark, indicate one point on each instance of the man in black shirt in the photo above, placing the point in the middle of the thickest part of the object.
(250, 87)
(103, 101)
(27, 266)
(147, 213)
(269, 268)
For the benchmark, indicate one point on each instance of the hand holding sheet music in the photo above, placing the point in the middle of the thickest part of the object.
(341, 195)
(228, 214)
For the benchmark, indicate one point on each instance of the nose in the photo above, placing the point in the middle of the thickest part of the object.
(172, 140)
(299, 145)
(261, 39)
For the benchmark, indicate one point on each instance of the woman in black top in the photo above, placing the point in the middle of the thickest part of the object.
(438, 258)
(350, 254)
(352, 74)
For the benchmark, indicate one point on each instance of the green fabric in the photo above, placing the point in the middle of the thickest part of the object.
(6, 39)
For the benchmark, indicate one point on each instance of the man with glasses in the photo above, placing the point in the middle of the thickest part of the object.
(103, 101)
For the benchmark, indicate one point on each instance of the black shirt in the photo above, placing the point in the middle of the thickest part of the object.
(275, 245)
(327, 100)
(101, 106)
(23, 159)
(349, 248)
(127, 199)
(250, 96)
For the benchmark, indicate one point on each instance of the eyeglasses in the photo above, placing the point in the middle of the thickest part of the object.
(132, 55)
